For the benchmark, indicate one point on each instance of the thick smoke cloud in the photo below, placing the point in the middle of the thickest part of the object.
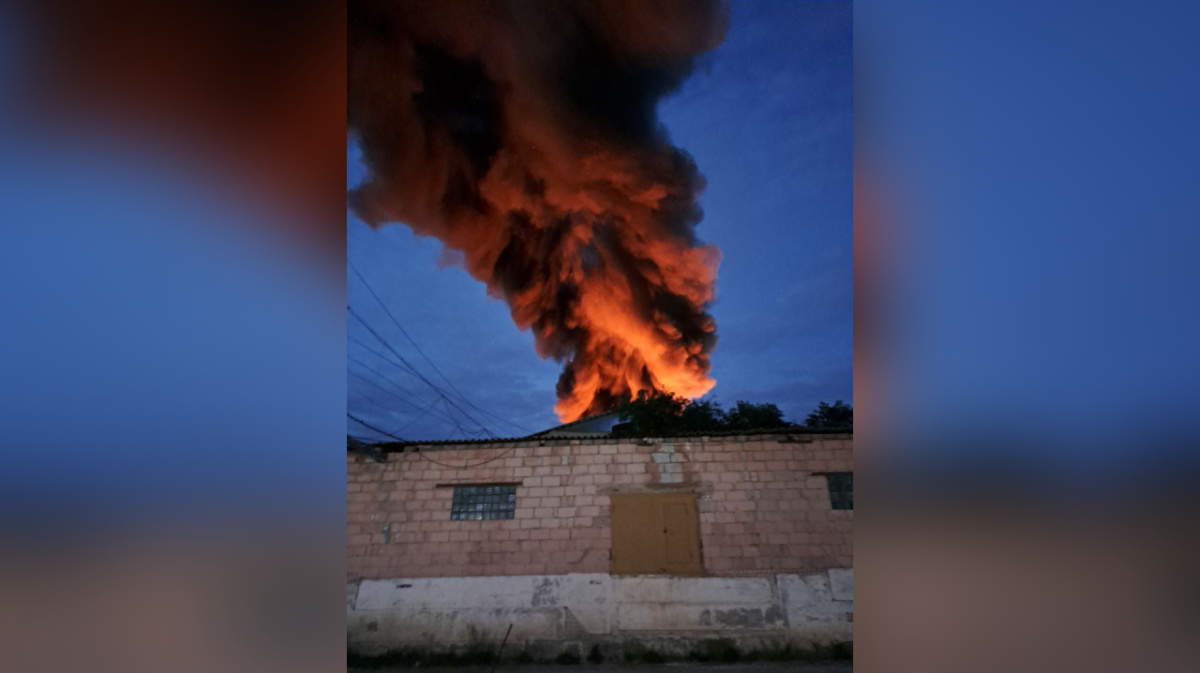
(524, 135)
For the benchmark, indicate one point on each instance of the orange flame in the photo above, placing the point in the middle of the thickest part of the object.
(480, 126)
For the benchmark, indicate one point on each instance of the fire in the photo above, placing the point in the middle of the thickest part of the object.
(524, 137)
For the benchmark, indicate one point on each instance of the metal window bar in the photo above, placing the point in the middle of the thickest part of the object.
(483, 503)
(841, 489)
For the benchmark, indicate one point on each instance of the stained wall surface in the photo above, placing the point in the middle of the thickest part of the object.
(596, 608)
(763, 505)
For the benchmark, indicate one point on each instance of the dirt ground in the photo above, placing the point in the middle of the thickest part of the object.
(790, 667)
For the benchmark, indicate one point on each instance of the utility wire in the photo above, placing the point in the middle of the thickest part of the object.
(429, 383)
(422, 456)
(402, 330)
(416, 415)
(396, 322)
(376, 372)
(419, 416)
(404, 367)
(407, 368)
(380, 354)
(372, 427)
(394, 433)
(448, 418)
(421, 412)
(380, 375)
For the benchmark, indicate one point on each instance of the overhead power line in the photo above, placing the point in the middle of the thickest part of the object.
(458, 393)
(420, 415)
(420, 412)
(378, 373)
(402, 330)
(367, 425)
(420, 376)
(422, 456)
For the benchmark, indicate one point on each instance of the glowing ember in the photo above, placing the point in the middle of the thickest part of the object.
(524, 136)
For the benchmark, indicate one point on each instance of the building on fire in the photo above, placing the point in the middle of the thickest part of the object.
(579, 539)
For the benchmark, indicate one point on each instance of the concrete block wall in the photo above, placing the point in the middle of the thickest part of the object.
(763, 507)
(435, 613)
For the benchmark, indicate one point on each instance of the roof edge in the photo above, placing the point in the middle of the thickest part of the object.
(577, 421)
(391, 447)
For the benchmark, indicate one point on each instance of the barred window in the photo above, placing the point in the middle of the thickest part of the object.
(841, 489)
(483, 503)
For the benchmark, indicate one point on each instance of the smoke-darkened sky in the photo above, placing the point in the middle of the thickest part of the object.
(767, 118)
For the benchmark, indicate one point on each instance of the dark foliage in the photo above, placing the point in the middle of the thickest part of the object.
(839, 415)
(651, 415)
(665, 415)
(747, 416)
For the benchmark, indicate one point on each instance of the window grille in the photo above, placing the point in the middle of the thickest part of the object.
(841, 489)
(483, 503)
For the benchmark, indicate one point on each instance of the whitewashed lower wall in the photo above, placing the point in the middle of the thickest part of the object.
(385, 614)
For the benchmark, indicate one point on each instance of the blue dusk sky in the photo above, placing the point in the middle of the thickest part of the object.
(768, 118)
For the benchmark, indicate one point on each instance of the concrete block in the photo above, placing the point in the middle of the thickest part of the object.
(394, 628)
(674, 617)
(382, 614)
(658, 617)
(443, 605)
(586, 597)
(694, 590)
(841, 583)
(808, 599)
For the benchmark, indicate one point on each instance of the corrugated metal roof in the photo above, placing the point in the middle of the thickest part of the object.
(565, 427)
(789, 430)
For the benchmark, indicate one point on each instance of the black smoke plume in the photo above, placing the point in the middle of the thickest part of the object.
(524, 135)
